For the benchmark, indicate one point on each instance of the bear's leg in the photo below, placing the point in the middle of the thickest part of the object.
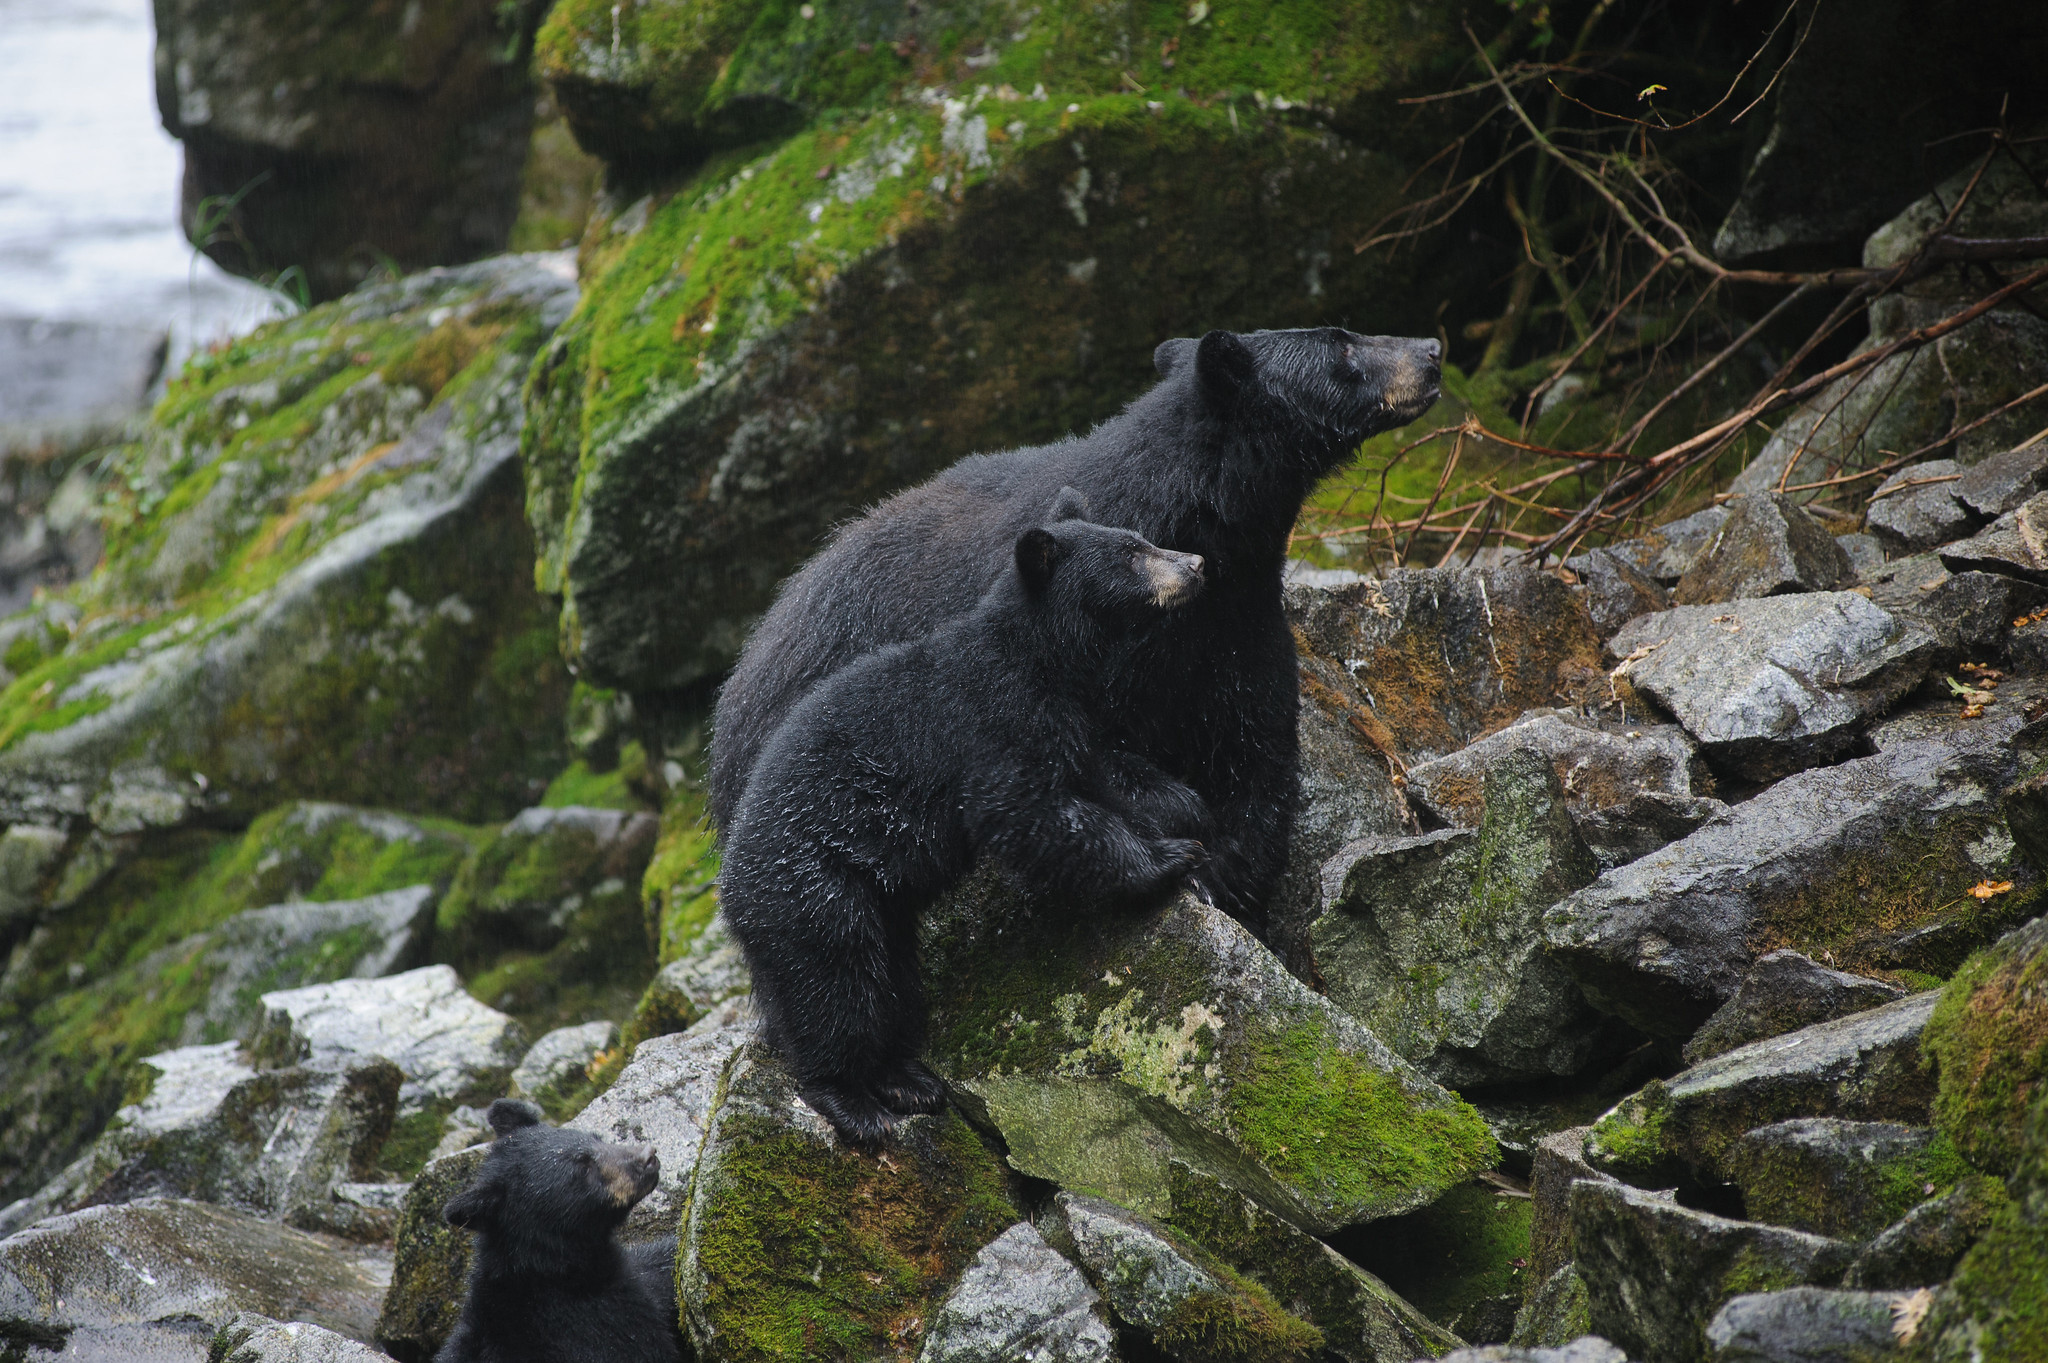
(1085, 851)
(1154, 802)
(823, 984)
(902, 1082)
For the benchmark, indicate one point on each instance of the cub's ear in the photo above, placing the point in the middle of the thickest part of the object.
(507, 1115)
(1070, 505)
(1224, 366)
(1038, 553)
(468, 1209)
(1168, 356)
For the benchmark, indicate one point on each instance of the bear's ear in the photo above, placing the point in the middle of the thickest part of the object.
(1224, 366)
(1038, 553)
(1171, 355)
(507, 1115)
(468, 1208)
(1070, 505)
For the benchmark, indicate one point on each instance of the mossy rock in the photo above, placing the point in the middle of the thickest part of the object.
(790, 335)
(1463, 1260)
(795, 1247)
(1988, 1039)
(680, 888)
(668, 81)
(1103, 1046)
(317, 580)
(1996, 1305)
(1849, 1180)
(147, 957)
(430, 1270)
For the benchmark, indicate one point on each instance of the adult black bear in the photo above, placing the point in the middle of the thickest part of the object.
(889, 779)
(1215, 460)
(548, 1281)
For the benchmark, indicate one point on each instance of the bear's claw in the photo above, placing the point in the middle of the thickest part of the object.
(911, 1088)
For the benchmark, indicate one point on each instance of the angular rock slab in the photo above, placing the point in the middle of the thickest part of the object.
(794, 1246)
(1192, 1309)
(1771, 685)
(1598, 767)
(430, 1261)
(1020, 1299)
(2000, 483)
(1802, 1323)
(1783, 992)
(664, 1098)
(1656, 1272)
(1361, 1318)
(273, 1143)
(1970, 611)
(1848, 1180)
(1921, 1248)
(526, 884)
(151, 1279)
(556, 1063)
(1667, 553)
(253, 1338)
(1558, 1163)
(1615, 589)
(1585, 1349)
(449, 1046)
(2015, 544)
(1102, 1047)
(1917, 508)
(1442, 656)
(1865, 1068)
(711, 970)
(1767, 546)
(1989, 1039)
(1436, 942)
(1868, 864)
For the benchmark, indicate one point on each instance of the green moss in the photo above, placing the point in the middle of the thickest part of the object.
(1906, 1183)
(1331, 1122)
(1629, 1139)
(579, 785)
(1244, 1325)
(412, 1139)
(680, 888)
(1996, 1304)
(808, 1252)
(1989, 1038)
(1758, 1270)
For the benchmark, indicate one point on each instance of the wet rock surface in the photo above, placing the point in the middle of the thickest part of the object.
(1918, 508)
(1970, 612)
(254, 1338)
(1783, 992)
(1598, 766)
(2011, 545)
(430, 1261)
(1776, 684)
(1802, 1323)
(1765, 546)
(1020, 1299)
(1616, 589)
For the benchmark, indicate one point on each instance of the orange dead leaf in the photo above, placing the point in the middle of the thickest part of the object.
(1985, 889)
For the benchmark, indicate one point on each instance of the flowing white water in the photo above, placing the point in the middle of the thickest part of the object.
(89, 181)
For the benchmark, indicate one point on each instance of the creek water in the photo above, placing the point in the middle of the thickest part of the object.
(89, 182)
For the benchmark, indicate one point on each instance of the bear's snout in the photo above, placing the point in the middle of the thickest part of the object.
(1407, 370)
(630, 1172)
(1175, 577)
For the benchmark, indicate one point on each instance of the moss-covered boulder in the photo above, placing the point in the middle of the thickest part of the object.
(1988, 1038)
(1921, 1248)
(790, 334)
(1196, 1309)
(1463, 1260)
(316, 582)
(335, 139)
(1849, 1180)
(1996, 1305)
(1436, 941)
(795, 1247)
(1104, 1046)
(545, 922)
(430, 1266)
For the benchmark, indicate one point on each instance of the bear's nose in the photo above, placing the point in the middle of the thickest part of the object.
(1194, 563)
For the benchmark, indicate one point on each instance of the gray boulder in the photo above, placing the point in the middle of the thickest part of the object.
(1436, 941)
(1667, 552)
(2012, 544)
(556, 1063)
(1771, 685)
(67, 385)
(1020, 1300)
(1666, 940)
(1783, 992)
(1554, 1314)
(1656, 1272)
(1598, 766)
(1765, 547)
(1615, 589)
(1175, 1293)
(1921, 1248)
(253, 1338)
(449, 1047)
(1844, 1179)
(664, 1098)
(1586, 1349)
(1969, 611)
(1559, 1161)
(711, 970)
(1866, 555)
(1865, 1068)
(2004, 481)
(1805, 1325)
(430, 1260)
(154, 1279)
(1917, 508)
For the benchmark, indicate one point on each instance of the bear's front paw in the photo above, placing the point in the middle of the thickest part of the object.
(910, 1088)
(860, 1121)
(1175, 859)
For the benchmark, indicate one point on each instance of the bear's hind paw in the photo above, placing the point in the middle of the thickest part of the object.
(911, 1088)
(860, 1121)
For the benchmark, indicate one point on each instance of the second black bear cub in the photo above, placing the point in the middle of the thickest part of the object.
(547, 1280)
(886, 783)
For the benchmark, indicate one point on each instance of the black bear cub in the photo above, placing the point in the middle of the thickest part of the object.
(886, 783)
(547, 1281)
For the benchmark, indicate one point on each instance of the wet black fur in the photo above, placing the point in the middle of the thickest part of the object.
(547, 1280)
(1215, 460)
(888, 780)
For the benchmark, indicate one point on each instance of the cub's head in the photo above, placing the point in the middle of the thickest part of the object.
(1325, 383)
(544, 1186)
(1107, 574)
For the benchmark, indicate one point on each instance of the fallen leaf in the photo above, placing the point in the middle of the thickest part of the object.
(1986, 889)
(1908, 1311)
